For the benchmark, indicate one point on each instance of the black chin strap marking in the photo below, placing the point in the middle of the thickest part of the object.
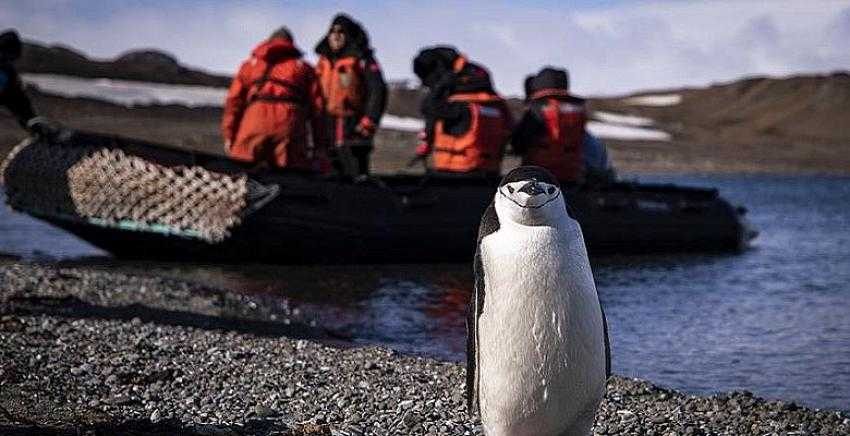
(526, 207)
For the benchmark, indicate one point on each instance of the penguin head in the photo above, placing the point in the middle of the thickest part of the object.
(531, 196)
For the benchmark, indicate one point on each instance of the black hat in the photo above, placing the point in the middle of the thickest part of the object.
(547, 78)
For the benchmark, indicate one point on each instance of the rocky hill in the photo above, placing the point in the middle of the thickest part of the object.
(812, 108)
(141, 65)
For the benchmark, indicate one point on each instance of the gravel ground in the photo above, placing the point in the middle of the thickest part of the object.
(89, 352)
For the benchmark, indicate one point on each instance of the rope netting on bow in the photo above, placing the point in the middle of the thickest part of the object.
(109, 187)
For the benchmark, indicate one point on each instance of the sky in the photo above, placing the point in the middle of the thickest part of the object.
(609, 46)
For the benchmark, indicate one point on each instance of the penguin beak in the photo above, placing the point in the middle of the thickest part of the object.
(532, 188)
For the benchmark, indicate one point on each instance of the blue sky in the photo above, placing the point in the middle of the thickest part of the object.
(610, 47)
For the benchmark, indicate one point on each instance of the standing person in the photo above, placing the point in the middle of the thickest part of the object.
(467, 124)
(552, 133)
(354, 90)
(12, 94)
(271, 100)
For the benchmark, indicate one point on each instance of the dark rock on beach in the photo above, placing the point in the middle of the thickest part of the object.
(84, 351)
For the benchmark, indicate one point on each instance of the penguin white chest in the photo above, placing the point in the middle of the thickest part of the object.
(540, 352)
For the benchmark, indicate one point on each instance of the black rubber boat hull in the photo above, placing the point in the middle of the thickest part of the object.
(411, 219)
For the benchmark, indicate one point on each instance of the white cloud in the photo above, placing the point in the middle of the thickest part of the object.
(611, 50)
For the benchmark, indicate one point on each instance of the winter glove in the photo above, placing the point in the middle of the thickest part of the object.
(423, 149)
(366, 127)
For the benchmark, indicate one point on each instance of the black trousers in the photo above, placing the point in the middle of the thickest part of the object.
(353, 160)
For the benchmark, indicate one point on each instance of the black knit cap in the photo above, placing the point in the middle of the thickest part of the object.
(547, 78)
(10, 45)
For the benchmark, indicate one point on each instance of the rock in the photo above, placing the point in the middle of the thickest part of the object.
(237, 382)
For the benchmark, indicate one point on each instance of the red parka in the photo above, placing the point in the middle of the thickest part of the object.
(270, 101)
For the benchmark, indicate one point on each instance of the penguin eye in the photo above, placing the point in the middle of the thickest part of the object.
(551, 190)
(511, 190)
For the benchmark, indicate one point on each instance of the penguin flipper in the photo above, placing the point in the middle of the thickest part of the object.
(489, 224)
(607, 343)
(473, 311)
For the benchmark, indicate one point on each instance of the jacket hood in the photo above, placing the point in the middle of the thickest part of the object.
(433, 62)
(357, 40)
(275, 49)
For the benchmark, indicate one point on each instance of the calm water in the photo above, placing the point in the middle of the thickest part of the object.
(774, 320)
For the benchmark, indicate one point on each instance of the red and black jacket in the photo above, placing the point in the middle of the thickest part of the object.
(352, 83)
(551, 132)
(466, 121)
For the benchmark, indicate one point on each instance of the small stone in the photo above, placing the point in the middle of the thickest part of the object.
(263, 411)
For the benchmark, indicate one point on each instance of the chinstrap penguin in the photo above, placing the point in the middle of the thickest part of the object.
(537, 340)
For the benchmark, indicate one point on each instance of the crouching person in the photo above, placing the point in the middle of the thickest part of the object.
(273, 108)
(467, 124)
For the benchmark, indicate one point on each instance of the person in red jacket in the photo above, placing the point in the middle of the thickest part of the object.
(552, 132)
(354, 90)
(271, 101)
(467, 124)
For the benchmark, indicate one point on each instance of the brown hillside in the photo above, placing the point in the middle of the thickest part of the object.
(141, 65)
(796, 109)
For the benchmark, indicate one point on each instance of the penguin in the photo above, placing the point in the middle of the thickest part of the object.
(538, 355)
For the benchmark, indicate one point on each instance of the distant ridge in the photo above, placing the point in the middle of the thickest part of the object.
(797, 109)
(141, 65)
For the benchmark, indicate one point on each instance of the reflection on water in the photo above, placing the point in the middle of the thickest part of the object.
(415, 309)
(772, 320)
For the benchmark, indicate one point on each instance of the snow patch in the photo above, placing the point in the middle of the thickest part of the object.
(404, 124)
(627, 133)
(133, 93)
(127, 92)
(628, 120)
(654, 100)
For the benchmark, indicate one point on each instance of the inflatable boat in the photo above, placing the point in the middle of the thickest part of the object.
(141, 200)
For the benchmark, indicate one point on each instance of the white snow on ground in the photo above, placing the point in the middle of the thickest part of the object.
(131, 93)
(628, 120)
(405, 124)
(627, 133)
(126, 92)
(655, 100)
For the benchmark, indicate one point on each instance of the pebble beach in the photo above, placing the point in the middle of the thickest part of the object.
(85, 351)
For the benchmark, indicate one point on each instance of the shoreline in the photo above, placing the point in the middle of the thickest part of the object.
(84, 350)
